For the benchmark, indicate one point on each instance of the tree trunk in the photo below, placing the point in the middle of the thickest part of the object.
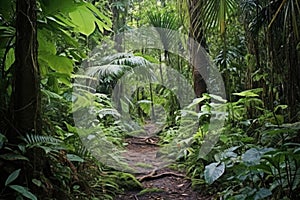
(26, 89)
(119, 22)
(196, 33)
(26, 98)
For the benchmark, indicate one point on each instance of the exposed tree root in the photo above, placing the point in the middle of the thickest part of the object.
(153, 175)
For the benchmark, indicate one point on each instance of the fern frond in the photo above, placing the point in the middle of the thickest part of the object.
(83, 152)
(32, 139)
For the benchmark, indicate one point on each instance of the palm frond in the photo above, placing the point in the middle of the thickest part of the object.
(167, 22)
(114, 65)
(209, 13)
(163, 20)
(132, 61)
(284, 14)
(105, 70)
(216, 13)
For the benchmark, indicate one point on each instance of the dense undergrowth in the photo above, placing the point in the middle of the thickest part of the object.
(254, 158)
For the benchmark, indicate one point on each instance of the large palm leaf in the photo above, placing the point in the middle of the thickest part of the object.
(211, 13)
(114, 65)
(167, 22)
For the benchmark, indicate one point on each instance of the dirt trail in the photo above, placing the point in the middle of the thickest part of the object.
(159, 182)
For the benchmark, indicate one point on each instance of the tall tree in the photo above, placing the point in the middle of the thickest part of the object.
(276, 56)
(283, 55)
(26, 98)
(196, 32)
(120, 12)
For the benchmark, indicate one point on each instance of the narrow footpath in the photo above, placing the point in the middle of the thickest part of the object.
(159, 182)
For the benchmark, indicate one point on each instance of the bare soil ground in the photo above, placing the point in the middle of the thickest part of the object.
(159, 181)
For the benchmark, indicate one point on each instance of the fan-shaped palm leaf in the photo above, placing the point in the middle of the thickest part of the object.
(212, 13)
(106, 70)
(114, 65)
(166, 21)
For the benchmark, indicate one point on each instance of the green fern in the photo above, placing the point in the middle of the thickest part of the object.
(83, 152)
(32, 139)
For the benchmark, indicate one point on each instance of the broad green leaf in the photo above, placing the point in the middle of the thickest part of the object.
(50, 94)
(196, 101)
(213, 171)
(70, 128)
(74, 158)
(24, 191)
(296, 151)
(13, 156)
(246, 94)
(262, 193)
(55, 6)
(266, 168)
(37, 182)
(13, 176)
(84, 20)
(218, 98)
(70, 40)
(61, 78)
(228, 154)
(249, 93)
(106, 20)
(101, 25)
(10, 59)
(65, 81)
(45, 41)
(283, 107)
(224, 138)
(44, 69)
(59, 64)
(252, 156)
(62, 21)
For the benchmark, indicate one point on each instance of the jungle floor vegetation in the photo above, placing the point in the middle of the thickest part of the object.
(51, 114)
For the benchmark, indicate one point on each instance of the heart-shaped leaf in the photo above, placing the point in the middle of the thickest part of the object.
(213, 171)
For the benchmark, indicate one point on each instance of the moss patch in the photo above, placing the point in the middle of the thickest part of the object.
(127, 181)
